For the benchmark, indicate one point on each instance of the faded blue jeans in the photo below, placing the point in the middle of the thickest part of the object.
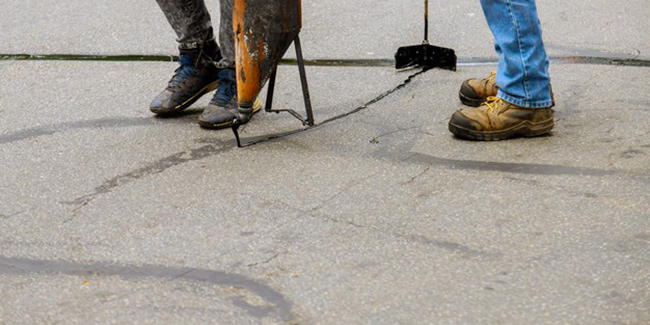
(190, 20)
(522, 73)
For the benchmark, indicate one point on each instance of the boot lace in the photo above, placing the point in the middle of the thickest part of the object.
(185, 69)
(493, 103)
(225, 92)
(491, 79)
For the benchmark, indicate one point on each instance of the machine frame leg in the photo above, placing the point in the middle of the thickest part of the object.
(309, 121)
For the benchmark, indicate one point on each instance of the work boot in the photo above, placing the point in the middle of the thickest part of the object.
(497, 119)
(474, 92)
(222, 110)
(196, 75)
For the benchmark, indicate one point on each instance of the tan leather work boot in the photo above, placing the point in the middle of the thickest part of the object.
(475, 92)
(497, 119)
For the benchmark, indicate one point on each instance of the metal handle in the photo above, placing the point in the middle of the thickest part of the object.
(426, 21)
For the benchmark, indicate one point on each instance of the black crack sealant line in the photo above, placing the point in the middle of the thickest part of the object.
(257, 140)
(614, 59)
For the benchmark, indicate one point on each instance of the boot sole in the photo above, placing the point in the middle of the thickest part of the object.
(525, 129)
(187, 103)
(257, 107)
(473, 102)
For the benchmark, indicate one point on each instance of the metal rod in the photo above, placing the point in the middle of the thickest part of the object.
(235, 130)
(292, 112)
(303, 81)
(426, 21)
(269, 94)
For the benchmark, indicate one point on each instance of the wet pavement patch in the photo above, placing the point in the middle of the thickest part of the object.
(276, 305)
(518, 168)
(112, 122)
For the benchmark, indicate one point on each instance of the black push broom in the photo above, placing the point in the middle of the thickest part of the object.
(425, 55)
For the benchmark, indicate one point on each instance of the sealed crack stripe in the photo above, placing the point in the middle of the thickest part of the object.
(614, 59)
(277, 305)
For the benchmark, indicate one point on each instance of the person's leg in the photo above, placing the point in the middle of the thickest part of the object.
(522, 73)
(197, 73)
(226, 35)
(190, 20)
(523, 101)
(222, 110)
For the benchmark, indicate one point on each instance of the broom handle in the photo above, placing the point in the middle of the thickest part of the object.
(426, 21)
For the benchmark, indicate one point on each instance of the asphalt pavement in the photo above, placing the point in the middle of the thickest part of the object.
(378, 215)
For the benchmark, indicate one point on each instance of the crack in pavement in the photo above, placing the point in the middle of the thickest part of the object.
(253, 141)
(426, 170)
(8, 216)
(345, 188)
(151, 169)
(268, 260)
(449, 246)
(275, 303)
(593, 57)
(375, 140)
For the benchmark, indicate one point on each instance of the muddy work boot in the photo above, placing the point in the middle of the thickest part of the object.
(497, 119)
(196, 76)
(474, 92)
(222, 110)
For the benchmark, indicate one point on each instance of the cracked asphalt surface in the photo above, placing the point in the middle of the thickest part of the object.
(378, 215)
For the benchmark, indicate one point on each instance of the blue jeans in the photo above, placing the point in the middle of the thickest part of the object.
(522, 74)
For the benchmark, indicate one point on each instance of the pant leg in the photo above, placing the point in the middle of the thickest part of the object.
(226, 34)
(190, 20)
(522, 74)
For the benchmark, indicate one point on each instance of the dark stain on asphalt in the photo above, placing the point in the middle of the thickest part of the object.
(635, 102)
(254, 311)
(156, 168)
(276, 305)
(449, 246)
(89, 124)
(631, 153)
(515, 168)
(644, 236)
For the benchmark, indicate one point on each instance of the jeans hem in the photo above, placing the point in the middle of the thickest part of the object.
(194, 45)
(226, 64)
(525, 102)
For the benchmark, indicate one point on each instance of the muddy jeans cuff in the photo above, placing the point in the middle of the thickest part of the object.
(226, 64)
(188, 46)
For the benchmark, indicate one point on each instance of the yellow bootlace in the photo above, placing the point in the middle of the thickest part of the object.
(492, 77)
(493, 103)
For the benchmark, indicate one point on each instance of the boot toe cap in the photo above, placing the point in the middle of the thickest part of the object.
(215, 117)
(468, 91)
(459, 119)
(162, 103)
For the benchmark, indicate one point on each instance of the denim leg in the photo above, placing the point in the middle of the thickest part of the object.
(522, 74)
(190, 20)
